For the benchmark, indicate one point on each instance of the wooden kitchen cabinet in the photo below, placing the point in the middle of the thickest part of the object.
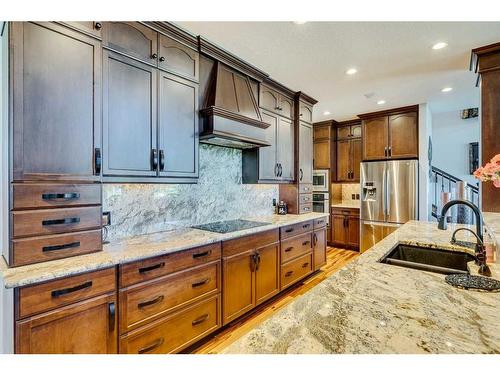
(348, 160)
(345, 227)
(286, 149)
(391, 134)
(56, 100)
(319, 248)
(349, 129)
(87, 327)
(322, 146)
(129, 117)
(177, 58)
(276, 102)
(250, 272)
(177, 127)
(306, 150)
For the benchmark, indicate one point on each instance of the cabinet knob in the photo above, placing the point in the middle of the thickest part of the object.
(162, 59)
(98, 26)
(154, 56)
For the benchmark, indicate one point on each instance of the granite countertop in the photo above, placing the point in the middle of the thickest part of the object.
(136, 248)
(346, 204)
(371, 307)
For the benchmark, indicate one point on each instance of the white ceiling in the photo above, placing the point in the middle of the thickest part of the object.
(395, 60)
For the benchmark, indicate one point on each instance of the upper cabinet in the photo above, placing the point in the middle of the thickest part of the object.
(133, 39)
(305, 112)
(178, 58)
(391, 134)
(276, 102)
(323, 145)
(150, 107)
(349, 130)
(93, 28)
(56, 86)
(305, 153)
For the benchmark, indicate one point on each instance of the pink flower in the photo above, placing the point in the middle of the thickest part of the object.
(495, 159)
(490, 172)
(496, 183)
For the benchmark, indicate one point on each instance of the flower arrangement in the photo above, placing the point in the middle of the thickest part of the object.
(490, 172)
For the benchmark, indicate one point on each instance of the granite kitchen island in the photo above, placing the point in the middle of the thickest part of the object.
(371, 307)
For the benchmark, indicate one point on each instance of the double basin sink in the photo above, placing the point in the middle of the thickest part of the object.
(428, 259)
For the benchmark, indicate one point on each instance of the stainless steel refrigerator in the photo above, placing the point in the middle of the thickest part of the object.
(389, 198)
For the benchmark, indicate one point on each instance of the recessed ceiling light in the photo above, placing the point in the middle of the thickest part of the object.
(326, 113)
(299, 22)
(380, 102)
(447, 89)
(351, 71)
(439, 45)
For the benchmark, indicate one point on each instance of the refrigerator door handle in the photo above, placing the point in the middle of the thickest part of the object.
(384, 192)
(387, 192)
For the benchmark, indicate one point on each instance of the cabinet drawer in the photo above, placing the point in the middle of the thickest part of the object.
(296, 229)
(41, 249)
(305, 188)
(175, 332)
(305, 208)
(144, 302)
(296, 270)
(305, 198)
(50, 295)
(345, 211)
(320, 223)
(151, 268)
(55, 195)
(253, 241)
(295, 247)
(59, 220)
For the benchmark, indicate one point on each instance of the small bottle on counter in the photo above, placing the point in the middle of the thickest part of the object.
(282, 208)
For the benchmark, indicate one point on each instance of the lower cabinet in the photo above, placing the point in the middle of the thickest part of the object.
(319, 248)
(250, 272)
(75, 315)
(345, 227)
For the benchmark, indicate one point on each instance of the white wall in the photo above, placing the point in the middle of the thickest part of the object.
(424, 191)
(451, 138)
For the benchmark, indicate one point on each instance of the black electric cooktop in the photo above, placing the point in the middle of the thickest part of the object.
(229, 226)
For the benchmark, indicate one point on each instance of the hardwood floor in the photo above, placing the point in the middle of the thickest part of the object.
(336, 259)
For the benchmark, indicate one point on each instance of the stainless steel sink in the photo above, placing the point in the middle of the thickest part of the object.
(427, 259)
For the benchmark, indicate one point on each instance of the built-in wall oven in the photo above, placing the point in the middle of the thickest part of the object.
(321, 180)
(321, 202)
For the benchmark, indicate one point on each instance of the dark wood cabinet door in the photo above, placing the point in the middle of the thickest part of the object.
(344, 132)
(268, 169)
(305, 112)
(375, 138)
(343, 160)
(56, 102)
(286, 155)
(178, 127)
(177, 58)
(90, 27)
(322, 158)
(267, 282)
(286, 107)
(269, 99)
(352, 231)
(132, 39)
(322, 133)
(129, 116)
(238, 283)
(87, 327)
(403, 136)
(319, 249)
(355, 159)
(339, 229)
(305, 153)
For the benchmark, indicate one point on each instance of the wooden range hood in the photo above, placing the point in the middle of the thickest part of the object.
(230, 112)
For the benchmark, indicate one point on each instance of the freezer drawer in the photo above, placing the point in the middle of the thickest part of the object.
(373, 232)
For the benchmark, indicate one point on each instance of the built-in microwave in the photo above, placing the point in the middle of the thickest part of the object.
(321, 179)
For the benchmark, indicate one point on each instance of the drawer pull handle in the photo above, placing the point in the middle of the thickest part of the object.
(200, 320)
(288, 249)
(152, 346)
(289, 230)
(151, 268)
(112, 314)
(289, 273)
(320, 222)
(68, 220)
(315, 239)
(305, 243)
(61, 247)
(200, 255)
(66, 196)
(61, 292)
(305, 265)
(144, 304)
(200, 283)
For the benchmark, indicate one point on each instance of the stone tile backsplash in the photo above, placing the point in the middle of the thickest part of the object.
(218, 195)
